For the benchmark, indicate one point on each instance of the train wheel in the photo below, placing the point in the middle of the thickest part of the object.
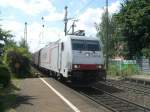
(50, 74)
(60, 78)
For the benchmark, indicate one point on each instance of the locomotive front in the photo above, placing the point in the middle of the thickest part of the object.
(87, 60)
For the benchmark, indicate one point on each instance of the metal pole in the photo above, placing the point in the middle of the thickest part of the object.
(73, 25)
(107, 57)
(42, 22)
(66, 20)
(25, 33)
(42, 32)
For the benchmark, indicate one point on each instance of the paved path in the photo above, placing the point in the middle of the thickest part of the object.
(37, 96)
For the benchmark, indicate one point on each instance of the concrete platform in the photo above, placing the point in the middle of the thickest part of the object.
(145, 79)
(37, 96)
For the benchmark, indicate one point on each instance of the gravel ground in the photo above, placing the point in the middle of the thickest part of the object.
(129, 94)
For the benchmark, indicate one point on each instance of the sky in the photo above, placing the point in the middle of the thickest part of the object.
(14, 14)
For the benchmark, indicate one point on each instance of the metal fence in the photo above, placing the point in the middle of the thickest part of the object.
(144, 65)
(135, 66)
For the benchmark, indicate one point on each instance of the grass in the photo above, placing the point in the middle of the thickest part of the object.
(8, 96)
(118, 72)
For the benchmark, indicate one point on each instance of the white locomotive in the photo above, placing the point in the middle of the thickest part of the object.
(75, 58)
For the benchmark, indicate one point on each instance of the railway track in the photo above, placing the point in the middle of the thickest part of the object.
(144, 83)
(128, 86)
(112, 102)
(129, 91)
(140, 85)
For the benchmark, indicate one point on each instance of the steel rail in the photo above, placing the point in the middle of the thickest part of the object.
(131, 88)
(139, 84)
(136, 83)
(108, 107)
(145, 109)
(112, 102)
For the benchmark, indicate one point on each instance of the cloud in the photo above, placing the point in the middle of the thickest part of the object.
(84, 1)
(11, 25)
(37, 37)
(14, 26)
(114, 7)
(91, 16)
(55, 16)
(88, 18)
(30, 7)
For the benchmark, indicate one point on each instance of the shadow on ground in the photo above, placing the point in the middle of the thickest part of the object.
(22, 100)
(9, 99)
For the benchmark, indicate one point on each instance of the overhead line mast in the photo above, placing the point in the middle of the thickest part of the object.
(25, 33)
(107, 36)
(66, 20)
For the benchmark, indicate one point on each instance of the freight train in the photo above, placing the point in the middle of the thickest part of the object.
(74, 58)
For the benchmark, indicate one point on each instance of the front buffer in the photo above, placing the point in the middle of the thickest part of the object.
(89, 73)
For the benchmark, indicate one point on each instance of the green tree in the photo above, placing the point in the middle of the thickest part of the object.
(115, 38)
(18, 59)
(5, 36)
(5, 75)
(23, 44)
(134, 21)
(5, 39)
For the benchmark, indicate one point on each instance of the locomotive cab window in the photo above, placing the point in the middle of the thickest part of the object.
(62, 46)
(92, 46)
(78, 45)
(85, 45)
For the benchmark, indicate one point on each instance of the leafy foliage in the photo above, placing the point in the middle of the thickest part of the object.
(146, 52)
(113, 70)
(4, 76)
(116, 42)
(129, 70)
(5, 36)
(23, 44)
(134, 19)
(18, 59)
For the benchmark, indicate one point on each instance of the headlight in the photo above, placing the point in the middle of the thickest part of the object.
(99, 66)
(76, 66)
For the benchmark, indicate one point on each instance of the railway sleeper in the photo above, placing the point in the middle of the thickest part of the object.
(107, 102)
(120, 104)
(116, 104)
(134, 88)
(129, 109)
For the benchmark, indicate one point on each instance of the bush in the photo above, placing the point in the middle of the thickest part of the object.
(113, 70)
(131, 69)
(5, 76)
(18, 60)
(124, 71)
